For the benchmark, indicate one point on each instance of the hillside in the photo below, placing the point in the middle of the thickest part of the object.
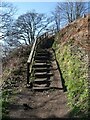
(72, 53)
(78, 31)
(71, 48)
(14, 65)
(13, 74)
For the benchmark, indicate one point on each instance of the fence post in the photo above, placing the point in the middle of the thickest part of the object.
(28, 74)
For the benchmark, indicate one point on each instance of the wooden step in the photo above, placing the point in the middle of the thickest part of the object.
(42, 74)
(39, 65)
(42, 53)
(42, 64)
(42, 61)
(41, 58)
(42, 81)
(42, 69)
(41, 50)
(40, 88)
(40, 85)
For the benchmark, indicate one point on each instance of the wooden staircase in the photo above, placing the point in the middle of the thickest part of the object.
(42, 70)
(39, 66)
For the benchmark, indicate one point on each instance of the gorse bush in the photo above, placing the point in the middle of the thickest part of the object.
(73, 62)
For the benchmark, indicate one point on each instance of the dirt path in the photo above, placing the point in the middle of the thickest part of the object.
(27, 103)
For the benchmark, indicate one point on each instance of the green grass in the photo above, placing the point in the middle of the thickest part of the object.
(73, 64)
(4, 99)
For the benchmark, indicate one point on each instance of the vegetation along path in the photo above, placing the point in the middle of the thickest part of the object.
(46, 99)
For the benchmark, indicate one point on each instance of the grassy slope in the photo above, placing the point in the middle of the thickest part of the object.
(73, 62)
(14, 74)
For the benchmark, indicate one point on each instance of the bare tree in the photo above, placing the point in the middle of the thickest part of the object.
(70, 11)
(6, 21)
(6, 17)
(57, 18)
(29, 26)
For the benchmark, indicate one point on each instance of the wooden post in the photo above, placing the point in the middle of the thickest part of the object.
(28, 74)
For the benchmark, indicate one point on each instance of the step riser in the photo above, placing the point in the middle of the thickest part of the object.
(40, 61)
(41, 89)
(41, 85)
(43, 76)
(41, 66)
(41, 58)
(41, 70)
(41, 50)
(42, 82)
(43, 54)
(40, 76)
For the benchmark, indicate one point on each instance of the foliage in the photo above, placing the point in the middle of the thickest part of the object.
(4, 102)
(73, 64)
